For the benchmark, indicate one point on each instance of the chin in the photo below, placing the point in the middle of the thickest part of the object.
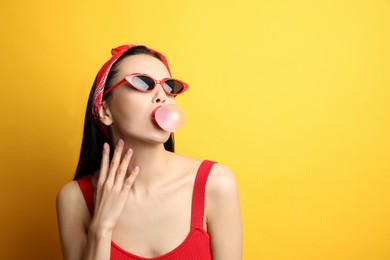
(164, 137)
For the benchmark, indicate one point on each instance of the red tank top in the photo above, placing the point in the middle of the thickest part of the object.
(196, 246)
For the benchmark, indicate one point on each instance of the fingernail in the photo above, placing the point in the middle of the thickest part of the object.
(105, 145)
(120, 142)
(129, 151)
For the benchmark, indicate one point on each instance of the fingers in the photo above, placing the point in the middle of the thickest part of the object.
(115, 162)
(104, 164)
(113, 175)
(121, 172)
(130, 180)
(113, 187)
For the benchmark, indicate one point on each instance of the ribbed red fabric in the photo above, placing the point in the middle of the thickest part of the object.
(197, 244)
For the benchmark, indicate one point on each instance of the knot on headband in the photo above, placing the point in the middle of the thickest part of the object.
(122, 48)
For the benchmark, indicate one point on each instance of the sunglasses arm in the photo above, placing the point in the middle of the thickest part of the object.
(114, 86)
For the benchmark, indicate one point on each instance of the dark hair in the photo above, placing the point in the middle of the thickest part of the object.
(93, 137)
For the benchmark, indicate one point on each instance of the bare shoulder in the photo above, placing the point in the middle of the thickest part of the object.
(70, 203)
(222, 204)
(221, 181)
(69, 193)
(73, 220)
(223, 216)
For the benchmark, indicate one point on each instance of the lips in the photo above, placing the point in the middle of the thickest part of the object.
(168, 117)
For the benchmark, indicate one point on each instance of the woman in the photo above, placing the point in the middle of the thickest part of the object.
(132, 197)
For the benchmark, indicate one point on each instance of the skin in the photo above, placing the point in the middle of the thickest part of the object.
(143, 196)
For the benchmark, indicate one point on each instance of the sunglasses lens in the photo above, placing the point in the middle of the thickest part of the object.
(174, 86)
(143, 82)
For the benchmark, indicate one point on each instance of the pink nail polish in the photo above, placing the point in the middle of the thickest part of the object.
(120, 142)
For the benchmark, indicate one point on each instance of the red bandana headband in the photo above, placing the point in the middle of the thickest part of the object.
(101, 78)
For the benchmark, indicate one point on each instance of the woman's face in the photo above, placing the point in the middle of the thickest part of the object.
(131, 109)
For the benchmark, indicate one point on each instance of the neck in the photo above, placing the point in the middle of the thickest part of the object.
(152, 160)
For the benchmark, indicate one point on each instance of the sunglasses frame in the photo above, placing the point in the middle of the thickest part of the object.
(156, 82)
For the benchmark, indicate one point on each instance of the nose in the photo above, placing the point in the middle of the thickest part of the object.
(159, 94)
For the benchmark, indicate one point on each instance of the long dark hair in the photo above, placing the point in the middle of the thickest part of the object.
(93, 137)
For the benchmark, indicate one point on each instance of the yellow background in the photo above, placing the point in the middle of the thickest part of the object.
(293, 96)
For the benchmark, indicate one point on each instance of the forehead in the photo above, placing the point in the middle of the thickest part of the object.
(142, 63)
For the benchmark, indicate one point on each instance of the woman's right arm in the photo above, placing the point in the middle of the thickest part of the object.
(112, 190)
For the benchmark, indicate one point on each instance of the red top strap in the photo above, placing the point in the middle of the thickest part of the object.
(87, 189)
(198, 196)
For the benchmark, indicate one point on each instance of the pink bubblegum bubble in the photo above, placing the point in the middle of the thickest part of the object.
(169, 117)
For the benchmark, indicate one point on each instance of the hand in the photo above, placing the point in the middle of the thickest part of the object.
(113, 188)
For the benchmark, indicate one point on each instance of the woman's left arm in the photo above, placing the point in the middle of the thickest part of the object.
(223, 215)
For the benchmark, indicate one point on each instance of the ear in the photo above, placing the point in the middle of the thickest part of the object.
(105, 114)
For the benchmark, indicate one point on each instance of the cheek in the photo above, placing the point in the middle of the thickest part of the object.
(128, 108)
(170, 100)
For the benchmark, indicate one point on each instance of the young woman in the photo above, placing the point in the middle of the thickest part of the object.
(133, 197)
